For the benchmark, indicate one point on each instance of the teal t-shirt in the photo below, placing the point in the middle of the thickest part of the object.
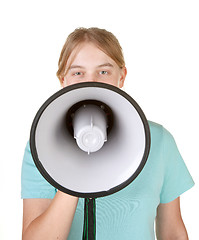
(129, 213)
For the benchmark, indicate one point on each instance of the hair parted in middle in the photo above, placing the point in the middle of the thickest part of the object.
(102, 38)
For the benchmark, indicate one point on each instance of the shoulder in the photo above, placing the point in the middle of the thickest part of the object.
(159, 134)
(33, 184)
(159, 131)
(157, 128)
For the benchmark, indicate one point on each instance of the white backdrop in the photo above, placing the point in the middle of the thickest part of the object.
(160, 42)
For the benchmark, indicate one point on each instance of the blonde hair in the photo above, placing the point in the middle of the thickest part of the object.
(103, 39)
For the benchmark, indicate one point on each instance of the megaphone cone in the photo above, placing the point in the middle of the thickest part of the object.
(94, 118)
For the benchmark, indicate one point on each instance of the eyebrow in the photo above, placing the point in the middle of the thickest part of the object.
(99, 66)
(105, 65)
(75, 66)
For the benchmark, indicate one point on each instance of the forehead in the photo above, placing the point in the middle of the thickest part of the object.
(88, 54)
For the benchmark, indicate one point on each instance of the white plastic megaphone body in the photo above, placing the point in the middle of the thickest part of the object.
(94, 118)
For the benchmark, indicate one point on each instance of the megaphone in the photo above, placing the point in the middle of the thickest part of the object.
(90, 140)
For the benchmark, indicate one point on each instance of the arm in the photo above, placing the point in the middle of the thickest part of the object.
(169, 223)
(48, 219)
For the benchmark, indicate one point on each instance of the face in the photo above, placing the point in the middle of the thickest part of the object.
(89, 64)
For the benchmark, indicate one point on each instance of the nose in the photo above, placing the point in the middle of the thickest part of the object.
(91, 78)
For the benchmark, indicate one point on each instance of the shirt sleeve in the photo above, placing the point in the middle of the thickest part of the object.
(177, 178)
(33, 184)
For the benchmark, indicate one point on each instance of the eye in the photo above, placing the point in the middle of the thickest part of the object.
(103, 72)
(77, 73)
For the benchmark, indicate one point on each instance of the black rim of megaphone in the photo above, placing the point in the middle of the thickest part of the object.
(92, 194)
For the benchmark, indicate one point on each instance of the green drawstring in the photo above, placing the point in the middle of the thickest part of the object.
(89, 230)
(94, 218)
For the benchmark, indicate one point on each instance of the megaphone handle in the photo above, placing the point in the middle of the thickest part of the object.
(89, 230)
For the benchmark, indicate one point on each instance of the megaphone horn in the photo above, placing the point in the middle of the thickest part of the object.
(94, 118)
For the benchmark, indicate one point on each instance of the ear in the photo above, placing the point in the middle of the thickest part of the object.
(62, 82)
(123, 77)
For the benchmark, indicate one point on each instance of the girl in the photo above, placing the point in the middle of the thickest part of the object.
(95, 55)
